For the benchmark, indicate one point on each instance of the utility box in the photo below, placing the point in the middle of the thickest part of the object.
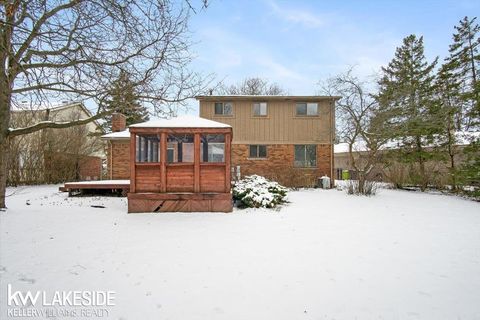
(324, 182)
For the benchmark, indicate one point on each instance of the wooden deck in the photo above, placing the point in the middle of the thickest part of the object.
(122, 186)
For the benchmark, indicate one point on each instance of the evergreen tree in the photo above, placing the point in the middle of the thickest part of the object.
(463, 70)
(123, 98)
(463, 63)
(450, 103)
(407, 104)
(470, 172)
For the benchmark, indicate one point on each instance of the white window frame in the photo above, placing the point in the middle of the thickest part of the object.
(310, 106)
(257, 156)
(147, 149)
(224, 105)
(262, 109)
(305, 163)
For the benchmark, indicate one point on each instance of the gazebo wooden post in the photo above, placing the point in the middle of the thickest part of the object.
(163, 161)
(228, 142)
(133, 160)
(196, 163)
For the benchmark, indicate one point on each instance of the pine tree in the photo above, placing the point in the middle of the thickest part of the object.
(464, 63)
(407, 105)
(450, 103)
(123, 98)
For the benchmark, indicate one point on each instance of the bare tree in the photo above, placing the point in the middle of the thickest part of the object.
(358, 125)
(73, 49)
(254, 86)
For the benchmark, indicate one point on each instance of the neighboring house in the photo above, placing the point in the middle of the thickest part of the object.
(55, 155)
(285, 138)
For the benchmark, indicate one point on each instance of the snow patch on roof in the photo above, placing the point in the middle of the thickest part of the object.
(186, 121)
(125, 134)
(343, 147)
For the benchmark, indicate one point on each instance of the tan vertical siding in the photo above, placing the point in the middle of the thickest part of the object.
(280, 126)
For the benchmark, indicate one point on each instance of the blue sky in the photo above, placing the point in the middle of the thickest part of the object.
(298, 43)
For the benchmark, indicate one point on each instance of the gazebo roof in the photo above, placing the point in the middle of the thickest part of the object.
(186, 121)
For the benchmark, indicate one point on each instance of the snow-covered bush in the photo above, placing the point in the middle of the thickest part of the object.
(255, 192)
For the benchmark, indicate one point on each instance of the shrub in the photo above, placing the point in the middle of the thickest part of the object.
(292, 178)
(256, 192)
(369, 188)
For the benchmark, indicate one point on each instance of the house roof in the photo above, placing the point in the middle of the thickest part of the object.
(263, 97)
(186, 121)
(52, 106)
(125, 134)
(55, 106)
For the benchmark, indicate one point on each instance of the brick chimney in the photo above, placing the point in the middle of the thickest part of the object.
(119, 122)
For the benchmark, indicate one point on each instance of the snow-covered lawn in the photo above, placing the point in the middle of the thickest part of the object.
(326, 255)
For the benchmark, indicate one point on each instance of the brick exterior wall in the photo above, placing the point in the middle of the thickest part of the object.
(119, 166)
(119, 122)
(279, 164)
(90, 168)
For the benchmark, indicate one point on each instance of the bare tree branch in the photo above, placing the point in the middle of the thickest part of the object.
(56, 125)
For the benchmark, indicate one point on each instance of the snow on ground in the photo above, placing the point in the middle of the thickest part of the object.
(326, 255)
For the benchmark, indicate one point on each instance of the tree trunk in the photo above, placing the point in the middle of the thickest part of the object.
(361, 183)
(423, 182)
(4, 123)
(452, 172)
(421, 163)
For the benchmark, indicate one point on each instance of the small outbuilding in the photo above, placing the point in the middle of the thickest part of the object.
(181, 164)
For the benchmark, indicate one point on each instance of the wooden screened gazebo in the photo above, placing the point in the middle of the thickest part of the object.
(181, 164)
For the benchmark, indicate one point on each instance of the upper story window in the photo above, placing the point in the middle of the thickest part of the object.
(223, 108)
(180, 148)
(305, 155)
(259, 108)
(147, 148)
(307, 109)
(212, 148)
(258, 151)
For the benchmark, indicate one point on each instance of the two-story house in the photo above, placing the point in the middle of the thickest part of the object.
(286, 138)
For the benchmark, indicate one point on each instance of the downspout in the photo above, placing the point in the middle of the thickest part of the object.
(332, 138)
(111, 159)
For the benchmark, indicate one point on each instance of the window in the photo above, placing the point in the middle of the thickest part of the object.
(212, 148)
(223, 108)
(180, 148)
(170, 155)
(258, 151)
(260, 109)
(307, 109)
(146, 148)
(305, 156)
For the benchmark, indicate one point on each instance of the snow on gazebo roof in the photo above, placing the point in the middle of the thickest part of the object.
(186, 121)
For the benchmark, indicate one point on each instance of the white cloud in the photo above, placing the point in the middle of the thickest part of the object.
(232, 53)
(296, 15)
